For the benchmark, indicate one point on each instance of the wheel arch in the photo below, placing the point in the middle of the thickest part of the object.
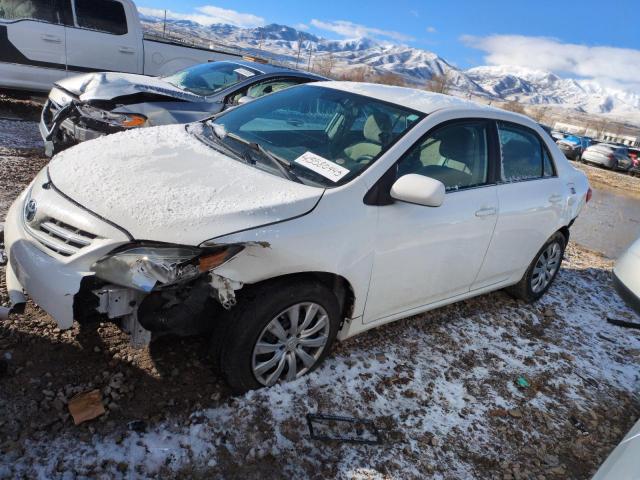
(339, 285)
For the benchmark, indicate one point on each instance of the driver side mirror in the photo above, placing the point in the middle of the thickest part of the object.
(418, 189)
(245, 99)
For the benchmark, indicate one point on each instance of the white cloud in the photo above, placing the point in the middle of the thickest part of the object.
(348, 29)
(414, 13)
(301, 26)
(431, 29)
(209, 15)
(612, 66)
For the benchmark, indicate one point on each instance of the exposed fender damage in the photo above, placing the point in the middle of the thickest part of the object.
(186, 308)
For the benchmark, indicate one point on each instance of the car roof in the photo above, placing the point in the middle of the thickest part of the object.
(419, 100)
(267, 68)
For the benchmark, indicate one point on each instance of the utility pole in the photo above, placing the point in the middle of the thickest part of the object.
(164, 26)
(309, 63)
(299, 48)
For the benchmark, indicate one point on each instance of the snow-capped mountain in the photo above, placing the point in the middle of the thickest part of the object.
(545, 88)
(416, 66)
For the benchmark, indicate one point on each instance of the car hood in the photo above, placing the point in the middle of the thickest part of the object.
(162, 184)
(108, 86)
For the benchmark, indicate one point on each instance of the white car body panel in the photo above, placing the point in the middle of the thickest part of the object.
(398, 259)
(624, 461)
(37, 53)
(172, 188)
(627, 272)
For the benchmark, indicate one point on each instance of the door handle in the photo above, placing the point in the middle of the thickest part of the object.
(555, 198)
(127, 50)
(486, 212)
(51, 38)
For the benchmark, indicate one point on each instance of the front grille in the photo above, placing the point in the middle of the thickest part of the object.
(60, 237)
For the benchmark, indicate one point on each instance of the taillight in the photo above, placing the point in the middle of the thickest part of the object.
(611, 156)
(589, 194)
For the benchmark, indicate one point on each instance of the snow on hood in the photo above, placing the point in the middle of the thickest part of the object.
(108, 85)
(163, 184)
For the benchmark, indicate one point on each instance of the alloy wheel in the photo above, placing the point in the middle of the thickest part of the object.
(546, 267)
(291, 343)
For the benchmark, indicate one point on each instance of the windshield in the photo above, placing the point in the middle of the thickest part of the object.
(325, 137)
(210, 78)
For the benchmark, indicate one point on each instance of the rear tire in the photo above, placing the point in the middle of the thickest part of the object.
(542, 271)
(260, 332)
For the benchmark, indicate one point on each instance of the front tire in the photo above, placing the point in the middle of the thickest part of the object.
(278, 331)
(542, 271)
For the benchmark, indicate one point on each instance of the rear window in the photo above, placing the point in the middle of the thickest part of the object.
(28, 10)
(103, 15)
(523, 155)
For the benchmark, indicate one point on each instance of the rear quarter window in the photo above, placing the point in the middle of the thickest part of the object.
(42, 10)
(106, 16)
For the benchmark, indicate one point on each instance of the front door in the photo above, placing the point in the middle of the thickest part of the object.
(32, 44)
(428, 254)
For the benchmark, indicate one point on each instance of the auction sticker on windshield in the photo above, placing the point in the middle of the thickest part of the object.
(322, 166)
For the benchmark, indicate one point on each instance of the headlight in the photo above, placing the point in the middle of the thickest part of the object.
(59, 97)
(126, 120)
(146, 268)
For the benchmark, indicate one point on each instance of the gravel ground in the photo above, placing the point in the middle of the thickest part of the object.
(442, 387)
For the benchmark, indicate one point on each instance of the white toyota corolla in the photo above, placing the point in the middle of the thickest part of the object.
(312, 214)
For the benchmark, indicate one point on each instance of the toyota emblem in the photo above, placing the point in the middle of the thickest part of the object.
(30, 210)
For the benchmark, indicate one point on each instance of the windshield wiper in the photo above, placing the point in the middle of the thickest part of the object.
(285, 166)
(222, 147)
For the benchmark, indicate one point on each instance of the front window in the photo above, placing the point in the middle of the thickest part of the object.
(323, 137)
(210, 78)
(455, 154)
(42, 10)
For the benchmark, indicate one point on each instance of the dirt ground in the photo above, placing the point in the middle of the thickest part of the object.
(445, 388)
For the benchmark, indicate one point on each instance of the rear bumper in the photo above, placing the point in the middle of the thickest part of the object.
(626, 294)
(626, 278)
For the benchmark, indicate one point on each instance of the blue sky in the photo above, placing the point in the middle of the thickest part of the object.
(465, 33)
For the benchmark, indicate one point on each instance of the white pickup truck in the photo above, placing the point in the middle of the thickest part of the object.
(43, 41)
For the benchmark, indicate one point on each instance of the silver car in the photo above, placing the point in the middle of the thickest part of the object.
(88, 106)
(614, 157)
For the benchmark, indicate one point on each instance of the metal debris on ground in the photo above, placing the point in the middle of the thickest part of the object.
(86, 406)
(343, 429)
(623, 323)
(137, 426)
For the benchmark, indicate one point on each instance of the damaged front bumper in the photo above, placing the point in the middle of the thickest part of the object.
(50, 283)
(63, 284)
(65, 126)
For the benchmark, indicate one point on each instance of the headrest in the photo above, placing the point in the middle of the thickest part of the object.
(377, 128)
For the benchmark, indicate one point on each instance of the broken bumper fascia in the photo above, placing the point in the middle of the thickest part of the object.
(66, 122)
(50, 284)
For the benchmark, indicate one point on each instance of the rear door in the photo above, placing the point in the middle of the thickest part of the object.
(32, 44)
(532, 199)
(102, 38)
